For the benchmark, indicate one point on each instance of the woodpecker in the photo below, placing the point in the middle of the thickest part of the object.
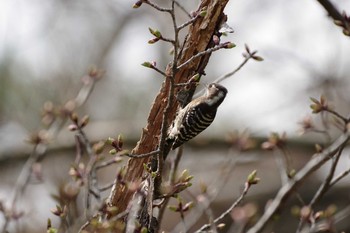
(196, 116)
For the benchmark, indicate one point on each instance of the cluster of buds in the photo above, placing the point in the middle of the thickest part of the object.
(181, 207)
(40, 137)
(50, 112)
(252, 179)
(319, 105)
(251, 54)
(275, 141)
(157, 35)
(77, 122)
(117, 144)
(60, 211)
(307, 214)
(77, 173)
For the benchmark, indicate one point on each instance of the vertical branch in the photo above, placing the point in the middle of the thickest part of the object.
(199, 38)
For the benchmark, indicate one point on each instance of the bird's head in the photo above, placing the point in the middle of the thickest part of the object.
(215, 94)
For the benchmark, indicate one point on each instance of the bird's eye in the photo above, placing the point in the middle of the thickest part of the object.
(211, 85)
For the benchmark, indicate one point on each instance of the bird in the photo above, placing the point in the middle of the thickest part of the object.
(195, 117)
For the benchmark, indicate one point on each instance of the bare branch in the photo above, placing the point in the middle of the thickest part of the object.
(156, 152)
(225, 76)
(325, 185)
(323, 188)
(339, 177)
(158, 8)
(182, 8)
(172, 177)
(200, 54)
(287, 189)
(338, 115)
(187, 23)
(108, 163)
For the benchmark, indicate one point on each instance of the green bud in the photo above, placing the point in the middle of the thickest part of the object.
(252, 179)
(229, 45)
(110, 140)
(203, 13)
(155, 33)
(137, 4)
(147, 64)
(113, 151)
(173, 208)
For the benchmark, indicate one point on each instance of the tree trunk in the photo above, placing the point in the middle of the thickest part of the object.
(199, 39)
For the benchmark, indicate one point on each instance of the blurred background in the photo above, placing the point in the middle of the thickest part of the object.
(46, 47)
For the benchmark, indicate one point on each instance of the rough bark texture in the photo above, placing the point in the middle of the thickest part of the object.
(199, 38)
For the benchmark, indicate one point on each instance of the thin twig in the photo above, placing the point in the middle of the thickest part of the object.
(172, 176)
(156, 152)
(155, 6)
(183, 9)
(108, 163)
(228, 211)
(218, 184)
(339, 177)
(225, 76)
(228, 75)
(325, 186)
(209, 212)
(344, 119)
(78, 149)
(322, 189)
(159, 71)
(187, 23)
(90, 172)
(106, 187)
(167, 40)
(200, 54)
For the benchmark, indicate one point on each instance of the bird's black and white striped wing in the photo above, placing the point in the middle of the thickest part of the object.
(194, 121)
